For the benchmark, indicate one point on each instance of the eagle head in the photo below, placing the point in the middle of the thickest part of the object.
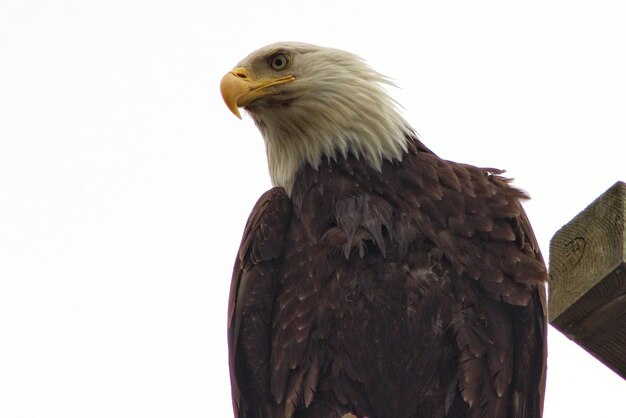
(312, 102)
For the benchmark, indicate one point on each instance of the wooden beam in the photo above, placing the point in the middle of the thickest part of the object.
(588, 279)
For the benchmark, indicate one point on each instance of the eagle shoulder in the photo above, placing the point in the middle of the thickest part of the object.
(475, 217)
(251, 303)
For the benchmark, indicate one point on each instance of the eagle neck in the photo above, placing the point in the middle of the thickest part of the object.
(290, 145)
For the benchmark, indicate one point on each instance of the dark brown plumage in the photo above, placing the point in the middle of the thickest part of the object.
(376, 279)
(417, 291)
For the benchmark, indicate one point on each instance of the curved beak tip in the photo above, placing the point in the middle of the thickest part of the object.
(232, 88)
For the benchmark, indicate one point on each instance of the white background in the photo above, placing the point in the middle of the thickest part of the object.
(125, 182)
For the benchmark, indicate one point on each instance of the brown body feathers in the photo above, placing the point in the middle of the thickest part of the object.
(417, 291)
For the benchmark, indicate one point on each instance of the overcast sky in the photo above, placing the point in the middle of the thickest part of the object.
(125, 182)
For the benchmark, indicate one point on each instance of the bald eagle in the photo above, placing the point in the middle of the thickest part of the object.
(375, 278)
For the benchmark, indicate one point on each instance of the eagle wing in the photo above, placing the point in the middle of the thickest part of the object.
(251, 304)
(531, 345)
(500, 328)
(474, 218)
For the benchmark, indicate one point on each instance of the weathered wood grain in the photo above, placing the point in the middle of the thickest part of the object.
(588, 279)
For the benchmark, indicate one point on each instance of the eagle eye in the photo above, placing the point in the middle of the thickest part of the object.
(279, 61)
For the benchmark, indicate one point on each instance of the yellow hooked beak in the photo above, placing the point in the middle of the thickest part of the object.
(239, 88)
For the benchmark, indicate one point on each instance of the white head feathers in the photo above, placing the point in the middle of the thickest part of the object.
(335, 106)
